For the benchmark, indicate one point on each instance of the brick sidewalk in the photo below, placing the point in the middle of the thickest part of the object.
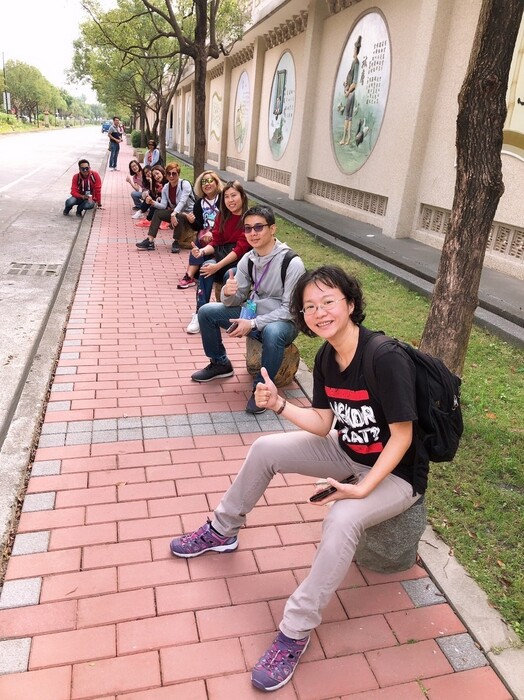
(131, 453)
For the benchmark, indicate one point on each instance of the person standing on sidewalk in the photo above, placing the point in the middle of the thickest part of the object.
(373, 443)
(115, 138)
(86, 189)
(227, 245)
(255, 303)
(175, 204)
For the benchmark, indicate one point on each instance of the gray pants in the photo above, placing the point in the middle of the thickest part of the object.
(345, 521)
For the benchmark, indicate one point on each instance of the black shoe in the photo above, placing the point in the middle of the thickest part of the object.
(213, 371)
(175, 248)
(252, 407)
(79, 213)
(66, 212)
(146, 244)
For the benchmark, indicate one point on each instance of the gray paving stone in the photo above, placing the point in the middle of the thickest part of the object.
(160, 431)
(423, 592)
(289, 427)
(104, 424)
(14, 655)
(248, 427)
(104, 436)
(198, 418)
(462, 652)
(59, 406)
(273, 426)
(39, 501)
(222, 417)
(177, 420)
(70, 356)
(153, 421)
(62, 387)
(57, 440)
(80, 426)
(65, 370)
(48, 467)
(18, 593)
(179, 431)
(78, 438)
(31, 542)
(204, 429)
(130, 422)
(226, 428)
(130, 434)
(68, 343)
(51, 428)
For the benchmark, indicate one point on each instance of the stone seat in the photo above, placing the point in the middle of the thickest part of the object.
(392, 546)
(288, 368)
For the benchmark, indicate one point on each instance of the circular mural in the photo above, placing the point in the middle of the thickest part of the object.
(361, 92)
(281, 105)
(241, 111)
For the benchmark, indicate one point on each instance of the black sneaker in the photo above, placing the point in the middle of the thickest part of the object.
(79, 213)
(252, 407)
(175, 248)
(214, 370)
(146, 244)
(66, 212)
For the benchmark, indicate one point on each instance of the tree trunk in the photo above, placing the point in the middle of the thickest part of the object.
(164, 108)
(478, 186)
(200, 59)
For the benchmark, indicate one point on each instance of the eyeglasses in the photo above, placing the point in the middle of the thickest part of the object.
(172, 173)
(151, 143)
(207, 180)
(85, 169)
(310, 309)
(257, 228)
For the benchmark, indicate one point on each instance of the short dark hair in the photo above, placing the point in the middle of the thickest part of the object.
(336, 278)
(261, 210)
(83, 160)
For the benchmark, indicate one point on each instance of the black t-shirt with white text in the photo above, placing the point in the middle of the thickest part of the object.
(362, 420)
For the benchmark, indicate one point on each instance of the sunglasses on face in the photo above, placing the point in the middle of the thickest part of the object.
(257, 228)
(172, 173)
(84, 169)
(208, 180)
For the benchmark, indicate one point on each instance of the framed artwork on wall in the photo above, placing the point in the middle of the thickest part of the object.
(241, 114)
(281, 105)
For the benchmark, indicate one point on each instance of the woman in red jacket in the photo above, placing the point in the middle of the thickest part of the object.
(86, 189)
(227, 246)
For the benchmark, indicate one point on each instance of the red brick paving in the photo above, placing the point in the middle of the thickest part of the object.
(119, 618)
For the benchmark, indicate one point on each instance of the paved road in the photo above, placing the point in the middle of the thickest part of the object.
(35, 245)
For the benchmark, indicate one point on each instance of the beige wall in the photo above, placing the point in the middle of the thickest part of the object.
(410, 174)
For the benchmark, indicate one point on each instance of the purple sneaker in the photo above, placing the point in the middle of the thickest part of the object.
(202, 540)
(278, 664)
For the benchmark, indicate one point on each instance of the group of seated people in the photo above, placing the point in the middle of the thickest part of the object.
(232, 245)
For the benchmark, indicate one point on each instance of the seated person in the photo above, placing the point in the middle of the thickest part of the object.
(136, 180)
(262, 295)
(86, 189)
(151, 196)
(176, 201)
(152, 155)
(207, 188)
(228, 244)
(379, 450)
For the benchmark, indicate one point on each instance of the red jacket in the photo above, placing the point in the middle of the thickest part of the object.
(79, 186)
(233, 233)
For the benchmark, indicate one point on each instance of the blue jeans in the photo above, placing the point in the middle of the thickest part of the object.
(114, 148)
(137, 198)
(205, 284)
(81, 205)
(275, 337)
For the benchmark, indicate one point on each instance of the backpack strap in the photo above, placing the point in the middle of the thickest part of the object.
(288, 257)
(368, 365)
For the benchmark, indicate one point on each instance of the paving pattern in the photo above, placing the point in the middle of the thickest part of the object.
(132, 453)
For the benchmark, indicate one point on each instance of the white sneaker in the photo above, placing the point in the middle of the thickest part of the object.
(194, 326)
(139, 215)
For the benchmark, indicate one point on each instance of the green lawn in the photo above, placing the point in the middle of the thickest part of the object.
(475, 503)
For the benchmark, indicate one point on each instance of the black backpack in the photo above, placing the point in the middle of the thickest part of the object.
(288, 257)
(439, 425)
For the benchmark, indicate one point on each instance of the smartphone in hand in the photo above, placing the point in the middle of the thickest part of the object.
(232, 327)
(320, 495)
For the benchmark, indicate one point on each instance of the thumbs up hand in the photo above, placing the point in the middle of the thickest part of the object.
(231, 285)
(266, 393)
(195, 250)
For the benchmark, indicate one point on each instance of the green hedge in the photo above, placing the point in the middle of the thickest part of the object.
(136, 137)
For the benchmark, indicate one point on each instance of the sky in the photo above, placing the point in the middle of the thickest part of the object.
(41, 33)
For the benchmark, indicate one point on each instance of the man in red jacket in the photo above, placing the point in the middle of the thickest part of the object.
(86, 189)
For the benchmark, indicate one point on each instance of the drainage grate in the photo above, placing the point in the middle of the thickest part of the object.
(33, 269)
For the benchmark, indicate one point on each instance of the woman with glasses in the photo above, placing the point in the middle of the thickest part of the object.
(207, 188)
(369, 458)
(227, 245)
(153, 195)
(136, 180)
(152, 155)
(169, 211)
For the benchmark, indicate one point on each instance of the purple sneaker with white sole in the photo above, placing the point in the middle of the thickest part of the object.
(205, 539)
(278, 664)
